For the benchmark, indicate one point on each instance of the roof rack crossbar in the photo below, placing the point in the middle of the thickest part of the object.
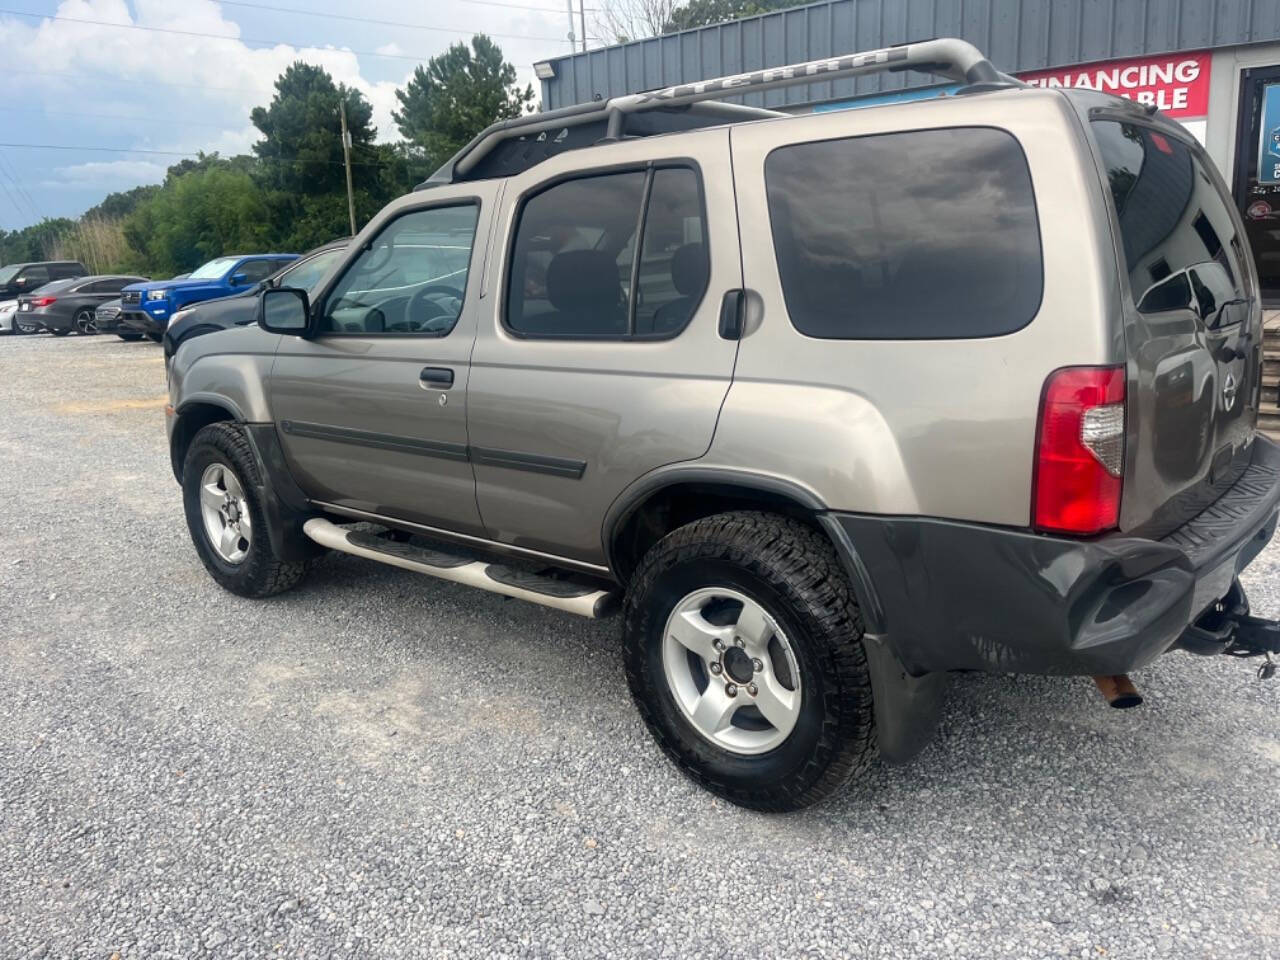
(955, 59)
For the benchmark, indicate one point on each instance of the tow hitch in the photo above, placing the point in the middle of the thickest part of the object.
(1228, 628)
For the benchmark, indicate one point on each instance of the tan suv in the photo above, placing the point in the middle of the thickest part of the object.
(830, 405)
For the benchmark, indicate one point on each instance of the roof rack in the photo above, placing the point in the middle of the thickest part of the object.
(955, 59)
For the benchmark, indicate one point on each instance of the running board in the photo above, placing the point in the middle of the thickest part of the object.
(585, 601)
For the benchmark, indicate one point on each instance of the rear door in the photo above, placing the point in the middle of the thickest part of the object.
(1193, 325)
(598, 357)
(371, 410)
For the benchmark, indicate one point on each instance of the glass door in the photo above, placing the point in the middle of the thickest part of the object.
(1256, 183)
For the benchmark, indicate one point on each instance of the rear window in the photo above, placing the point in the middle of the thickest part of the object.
(1181, 248)
(930, 234)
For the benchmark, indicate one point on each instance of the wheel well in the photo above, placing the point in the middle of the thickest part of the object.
(193, 418)
(674, 506)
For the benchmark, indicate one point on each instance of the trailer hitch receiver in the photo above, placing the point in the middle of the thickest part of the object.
(1228, 628)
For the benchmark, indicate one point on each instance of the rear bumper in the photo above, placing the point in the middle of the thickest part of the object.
(951, 596)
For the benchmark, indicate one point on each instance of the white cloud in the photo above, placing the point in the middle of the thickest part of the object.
(108, 174)
(391, 49)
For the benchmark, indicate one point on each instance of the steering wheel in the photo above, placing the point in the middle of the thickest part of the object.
(419, 301)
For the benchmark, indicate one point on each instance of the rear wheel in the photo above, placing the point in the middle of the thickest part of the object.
(21, 329)
(130, 337)
(221, 493)
(84, 323)
(743, 650)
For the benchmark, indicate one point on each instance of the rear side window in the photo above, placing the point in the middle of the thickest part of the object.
(929, 234)
(1181, 248)
(617, 256)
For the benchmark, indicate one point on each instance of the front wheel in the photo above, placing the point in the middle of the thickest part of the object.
(743, 650)
(221, 494)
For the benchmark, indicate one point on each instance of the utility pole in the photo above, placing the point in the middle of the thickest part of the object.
(569, 5)
(582, 20)
(346, 159)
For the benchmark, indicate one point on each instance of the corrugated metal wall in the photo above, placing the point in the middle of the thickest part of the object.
(1017, 35)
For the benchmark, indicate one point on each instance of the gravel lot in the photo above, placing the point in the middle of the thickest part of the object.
(382, 765)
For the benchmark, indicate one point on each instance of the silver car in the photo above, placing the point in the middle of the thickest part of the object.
(829, 406)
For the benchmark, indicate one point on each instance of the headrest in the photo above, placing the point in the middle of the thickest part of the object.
(689, 269)
(583, 280)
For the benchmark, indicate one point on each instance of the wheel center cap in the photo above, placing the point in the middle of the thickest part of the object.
(737, 665)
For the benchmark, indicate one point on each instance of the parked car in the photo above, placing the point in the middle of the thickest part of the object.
(871, 397)
(147, 307)
(106, 317)
(20, 278)
(66, 306)
(7, 309)
(240, 309)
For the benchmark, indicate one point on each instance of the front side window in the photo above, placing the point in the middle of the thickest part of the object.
(307, 274)
(576, 268)
(929, 234)
(1180, 244)
(412, 278)
(254, 271)
(35, 276)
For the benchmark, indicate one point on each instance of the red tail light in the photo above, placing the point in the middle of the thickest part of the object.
(42, 301)
(1080, 451)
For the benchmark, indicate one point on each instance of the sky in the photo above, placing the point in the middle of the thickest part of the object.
(144, 97)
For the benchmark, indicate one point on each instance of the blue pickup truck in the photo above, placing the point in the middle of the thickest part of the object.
(147, 307)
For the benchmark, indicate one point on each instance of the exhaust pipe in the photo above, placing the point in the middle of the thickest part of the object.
(1119, 691)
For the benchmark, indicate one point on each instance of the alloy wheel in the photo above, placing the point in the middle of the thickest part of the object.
(225, 511)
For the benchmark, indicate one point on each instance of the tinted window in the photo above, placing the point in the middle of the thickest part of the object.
(672, 276)
(254, 270)
(66, 270)
(308, 273)
(575, 255)
(411, 279)
(921, 235)
(34, 275)
(571, 266)
(1180, 244)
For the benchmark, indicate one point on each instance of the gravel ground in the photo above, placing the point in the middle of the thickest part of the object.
(381, 765)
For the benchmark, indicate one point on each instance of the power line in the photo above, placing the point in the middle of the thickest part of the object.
(266, 43)
(551, 11)
(132, 118)
(179, 153)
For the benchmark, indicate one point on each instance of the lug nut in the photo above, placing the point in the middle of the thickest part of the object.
(752, 689)
(730, 690)
(718, 644)
(739, 641)
(757, 664)
(716, 668)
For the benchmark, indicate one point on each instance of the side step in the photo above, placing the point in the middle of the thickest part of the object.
(566, 595)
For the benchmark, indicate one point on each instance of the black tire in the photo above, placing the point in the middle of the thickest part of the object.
(129, 337)
(794, 574)
(83, 323)
(261, 573)
(155, 337)
(59, 333)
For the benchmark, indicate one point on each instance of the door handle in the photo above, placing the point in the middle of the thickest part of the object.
(732, 314)
(439, 377)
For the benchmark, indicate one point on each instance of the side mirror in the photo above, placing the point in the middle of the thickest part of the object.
(284, 310)
(239, 280)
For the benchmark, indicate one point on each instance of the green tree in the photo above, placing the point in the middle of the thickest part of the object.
(456, 95)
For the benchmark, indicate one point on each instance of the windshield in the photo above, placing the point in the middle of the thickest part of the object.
(8, 273)
(214, 269)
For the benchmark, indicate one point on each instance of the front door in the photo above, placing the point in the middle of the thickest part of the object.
(598, 357)
(1257, 173)
(371, 411)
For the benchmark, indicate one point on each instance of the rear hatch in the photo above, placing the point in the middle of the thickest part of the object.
(1193, 320)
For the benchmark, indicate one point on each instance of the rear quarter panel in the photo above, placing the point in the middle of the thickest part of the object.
(942, 428)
